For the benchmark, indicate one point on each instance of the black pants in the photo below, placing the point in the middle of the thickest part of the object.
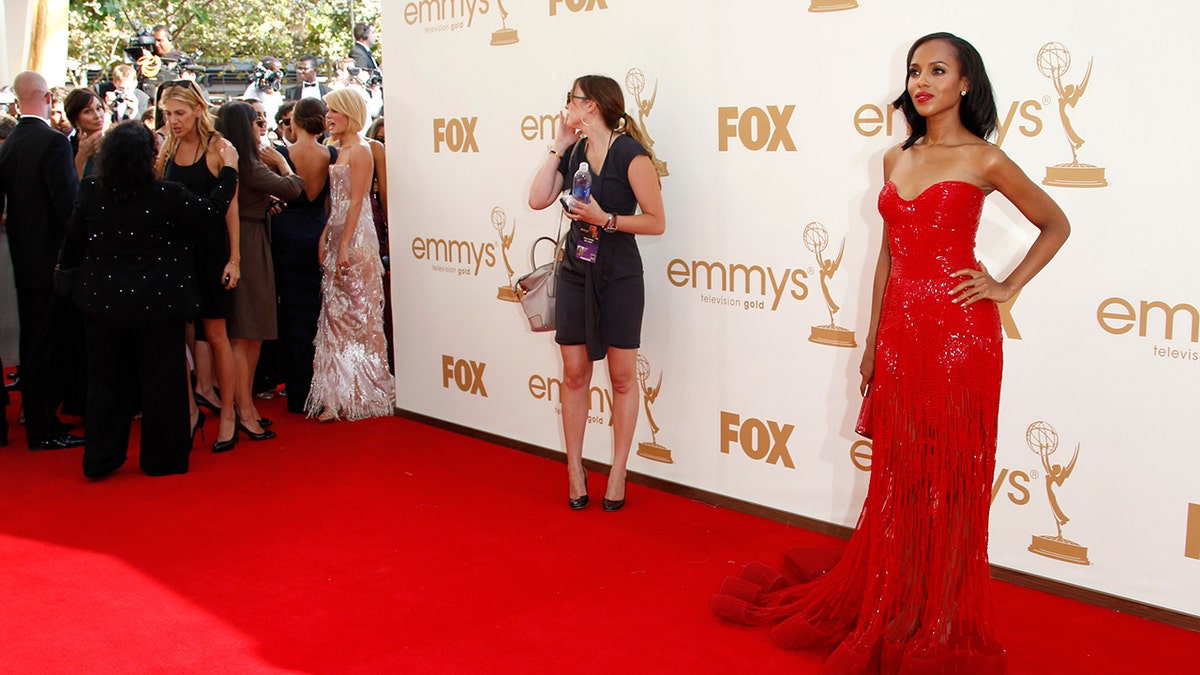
(126, 362)
(42, 316)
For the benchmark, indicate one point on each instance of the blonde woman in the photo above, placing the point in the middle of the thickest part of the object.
(191, 154)
(350, 371)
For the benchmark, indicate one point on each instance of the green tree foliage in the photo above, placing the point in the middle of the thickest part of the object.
(222, 31)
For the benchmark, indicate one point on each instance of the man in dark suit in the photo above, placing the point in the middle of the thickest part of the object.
(306, 71)
(37, 180)
(364, 39)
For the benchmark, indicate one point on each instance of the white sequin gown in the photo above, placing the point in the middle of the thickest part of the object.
(350, 370)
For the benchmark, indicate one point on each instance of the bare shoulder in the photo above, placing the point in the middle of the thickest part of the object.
(994, 167)
(218, 143)
(987, 157)
(358, 152)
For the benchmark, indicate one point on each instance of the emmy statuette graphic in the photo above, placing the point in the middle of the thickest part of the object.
(506, 35)
(816, 239)
(1042, 439)
(635, 84)
(505, 293)
(651, 450)
(831, 5)
(1053, 61)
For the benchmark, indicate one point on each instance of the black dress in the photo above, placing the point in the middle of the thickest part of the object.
(210, 247)
(295, 233)
(600, 304)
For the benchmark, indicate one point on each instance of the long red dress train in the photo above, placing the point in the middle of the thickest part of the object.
(910, 593)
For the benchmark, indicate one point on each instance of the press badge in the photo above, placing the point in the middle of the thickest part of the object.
(587, 249)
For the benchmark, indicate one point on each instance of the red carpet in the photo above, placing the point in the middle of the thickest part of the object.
(386, 546)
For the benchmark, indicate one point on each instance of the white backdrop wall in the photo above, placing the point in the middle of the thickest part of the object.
(770, 119)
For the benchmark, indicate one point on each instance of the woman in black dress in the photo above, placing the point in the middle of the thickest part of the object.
(191, 154)
(295, 233)
(131, 236)
(599, 303)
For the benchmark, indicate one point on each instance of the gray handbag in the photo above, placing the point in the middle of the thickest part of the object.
(536, 290)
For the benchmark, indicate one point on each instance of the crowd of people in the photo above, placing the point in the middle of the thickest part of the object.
(162, 247)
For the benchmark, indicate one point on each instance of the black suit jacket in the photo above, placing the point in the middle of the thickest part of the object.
(37, 180)
(137, 265)
(293, 93)
(362, 57)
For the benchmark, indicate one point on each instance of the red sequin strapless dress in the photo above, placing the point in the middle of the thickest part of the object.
(911, 591)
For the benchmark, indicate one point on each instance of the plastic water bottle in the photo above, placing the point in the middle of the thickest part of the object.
(581, 189)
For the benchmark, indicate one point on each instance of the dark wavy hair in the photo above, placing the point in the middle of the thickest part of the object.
(235, 121)
(125, 166)
(977, 110)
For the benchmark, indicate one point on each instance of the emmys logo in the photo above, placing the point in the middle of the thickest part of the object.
(462, 258)
(466, 375)
(437, 16)
(456, 133)
(756, 128)
(748, 280)
(1191, 546)
(577, 5)
(505, 293)
(831, 5)
(506, 35)
(1053, 62)
(651, 450)
(759, 440)
(816, 239)
(1042, 439)
(635, 84)
(600, 400)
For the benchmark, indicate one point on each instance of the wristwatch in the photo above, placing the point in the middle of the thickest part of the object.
(610, 225)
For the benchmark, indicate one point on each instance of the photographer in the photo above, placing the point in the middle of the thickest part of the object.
(155, 57)
(124, 100)
(265, 86)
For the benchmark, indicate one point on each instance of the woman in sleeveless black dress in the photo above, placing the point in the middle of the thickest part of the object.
(191, 155)
(600, 288)
(295, 233)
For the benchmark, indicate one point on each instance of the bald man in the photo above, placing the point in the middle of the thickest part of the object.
(38, 183)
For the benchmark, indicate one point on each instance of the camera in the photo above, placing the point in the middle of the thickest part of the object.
(265, 78)
(142, 40)
(368, 78)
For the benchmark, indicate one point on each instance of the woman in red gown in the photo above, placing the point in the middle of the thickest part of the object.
(911, 591)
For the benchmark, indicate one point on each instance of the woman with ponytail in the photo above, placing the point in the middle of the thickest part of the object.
(601, 293)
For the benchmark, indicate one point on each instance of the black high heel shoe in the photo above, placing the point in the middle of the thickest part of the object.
(225, 446)
(266, 434)
(580, 502)
(205, 403)
(198, 426)
(613, 504)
